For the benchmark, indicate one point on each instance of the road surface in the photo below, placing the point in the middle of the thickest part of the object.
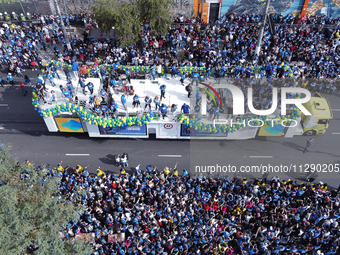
(24, 129)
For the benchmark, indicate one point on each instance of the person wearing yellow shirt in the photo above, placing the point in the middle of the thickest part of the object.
(175, 173)
(122, 171)
(97, 101)
(27, 163)
(222, 248)
(79, 169)
(166, 171)
(60, 168)
(100, 173)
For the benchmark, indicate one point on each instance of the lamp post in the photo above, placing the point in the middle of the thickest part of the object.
(259, 41)
(63, 26)
(23, 10)
(68, 20)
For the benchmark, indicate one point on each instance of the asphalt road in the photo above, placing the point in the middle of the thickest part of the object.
(24, 129)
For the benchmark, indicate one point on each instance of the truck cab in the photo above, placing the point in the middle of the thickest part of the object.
(321, 111)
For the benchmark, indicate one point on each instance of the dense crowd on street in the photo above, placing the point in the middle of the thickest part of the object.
(168, 212)
(225, 48)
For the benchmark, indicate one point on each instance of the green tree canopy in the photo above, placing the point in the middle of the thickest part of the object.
(30, 211)
(128, 17)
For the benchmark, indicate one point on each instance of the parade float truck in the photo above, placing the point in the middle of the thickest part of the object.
(75, 115)
(321, 111)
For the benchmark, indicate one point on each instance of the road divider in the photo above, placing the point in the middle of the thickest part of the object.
(260, 156)
(77, 154)
(170, 156)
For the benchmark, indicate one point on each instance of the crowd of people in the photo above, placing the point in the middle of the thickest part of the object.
(165, 212)
(20, 42)
(226, 49)
(168, 212)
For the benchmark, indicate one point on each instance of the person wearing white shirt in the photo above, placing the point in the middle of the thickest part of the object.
(159, 70)
(100, 46)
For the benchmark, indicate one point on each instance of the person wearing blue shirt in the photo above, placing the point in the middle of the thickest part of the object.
(153, 73)
(105, 110)
(173, 108)
(223, 70)
(163, 110)
(103, 95)
(182, 78)
(10, 79)
(197, 110)
(90, 87)
(148, 102)
(249, 71)
(70, 88)
(198, 96)
(114, 83)
(50, 77)
(102, 73)
(54, 71)
(216, 113)
(82, 84)
(173, 71)
(185, 108)
(75, 69)
(162, 88)
(120, 82)
(136, 101)
(116, 66)
(157, 102)
(123, 100)
(114, 110)
(66, 93)
(127, 73)
(195, 77)
(332, 251)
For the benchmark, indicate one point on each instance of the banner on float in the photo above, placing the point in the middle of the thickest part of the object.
(272, 130)
(69, 125)
(126, 130)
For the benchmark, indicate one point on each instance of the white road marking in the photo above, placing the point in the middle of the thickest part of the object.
(2, 128)
(77, 154)
(260, 156)
(5, 105)
(170, 156)
(335, 133)
(336, 110)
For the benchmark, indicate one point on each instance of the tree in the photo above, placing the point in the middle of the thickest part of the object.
(31, 213)
(128, 17)
(157, 13)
